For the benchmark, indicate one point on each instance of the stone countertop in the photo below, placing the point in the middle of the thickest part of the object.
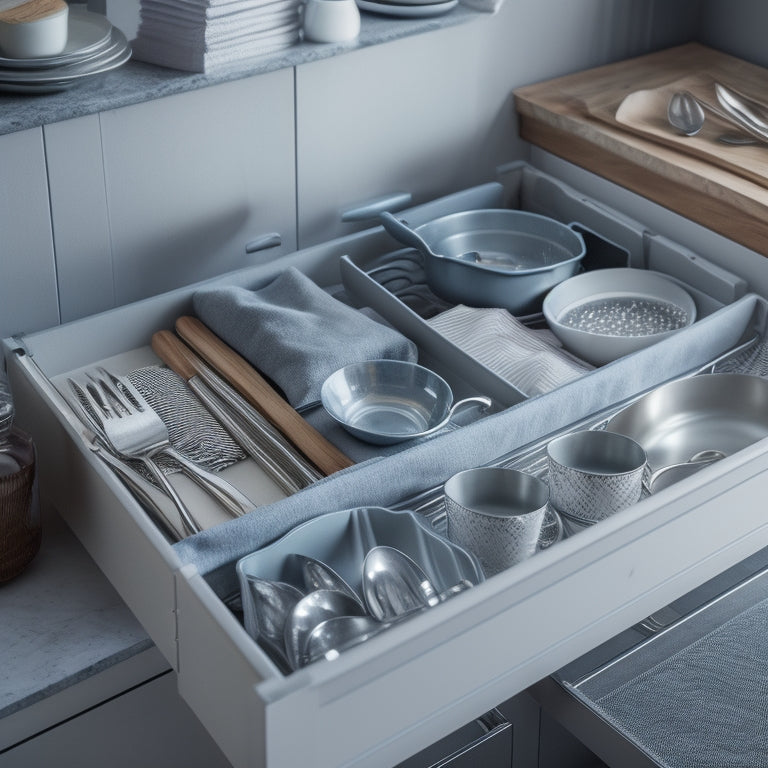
(62, 622)
(136, 81)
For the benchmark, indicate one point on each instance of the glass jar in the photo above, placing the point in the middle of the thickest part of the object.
(20, 526)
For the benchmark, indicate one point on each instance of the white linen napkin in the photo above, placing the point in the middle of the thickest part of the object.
(532, 361)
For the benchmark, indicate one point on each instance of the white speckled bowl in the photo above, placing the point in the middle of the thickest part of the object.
(621, 284)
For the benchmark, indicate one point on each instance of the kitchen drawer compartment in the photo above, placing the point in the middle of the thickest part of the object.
(381, 702)
(686, 692)
(612, 240)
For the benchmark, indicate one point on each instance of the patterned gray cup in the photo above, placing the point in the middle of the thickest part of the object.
(593, 474)
(496, 513)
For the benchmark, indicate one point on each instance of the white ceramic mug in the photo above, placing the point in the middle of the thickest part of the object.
(331, 21)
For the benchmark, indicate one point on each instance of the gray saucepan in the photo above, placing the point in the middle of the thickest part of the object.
(721, 412)
(495, 257)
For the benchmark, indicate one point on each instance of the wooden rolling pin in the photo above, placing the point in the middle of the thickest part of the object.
(261, 395)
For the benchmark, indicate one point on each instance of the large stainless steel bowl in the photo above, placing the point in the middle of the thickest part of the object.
(722, 412)
(521, 256)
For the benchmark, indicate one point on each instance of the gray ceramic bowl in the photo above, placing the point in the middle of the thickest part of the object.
(605, 314)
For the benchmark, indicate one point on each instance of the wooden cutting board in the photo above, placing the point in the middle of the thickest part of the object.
(598, 119)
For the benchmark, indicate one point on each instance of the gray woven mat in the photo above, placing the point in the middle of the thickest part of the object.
(705, 706)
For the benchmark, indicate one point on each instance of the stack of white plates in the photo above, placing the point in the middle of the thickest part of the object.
(203, 35)
(408, 8)
(93, 46)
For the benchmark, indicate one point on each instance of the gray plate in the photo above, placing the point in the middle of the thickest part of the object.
(114, 56)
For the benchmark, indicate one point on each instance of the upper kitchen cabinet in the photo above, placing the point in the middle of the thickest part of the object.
(430, 114)
(198, 184)
(28, 297)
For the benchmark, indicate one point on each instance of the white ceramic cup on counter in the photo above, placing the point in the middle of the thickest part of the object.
(35, 29)
(497, 514)
(331, 21)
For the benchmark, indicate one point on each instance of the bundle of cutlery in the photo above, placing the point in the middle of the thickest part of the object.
(202, 411)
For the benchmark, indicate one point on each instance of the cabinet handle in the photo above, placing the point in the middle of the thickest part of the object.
(270, 240)
(373, 208)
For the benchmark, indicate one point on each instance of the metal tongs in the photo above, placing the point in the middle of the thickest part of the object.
(749, 114)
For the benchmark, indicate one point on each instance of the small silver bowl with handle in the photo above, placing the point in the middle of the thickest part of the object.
(385, 402)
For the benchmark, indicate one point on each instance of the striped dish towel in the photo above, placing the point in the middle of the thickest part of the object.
(532, 361)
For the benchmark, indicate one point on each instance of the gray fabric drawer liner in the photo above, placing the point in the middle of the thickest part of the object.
(695, 696)
(387, 481)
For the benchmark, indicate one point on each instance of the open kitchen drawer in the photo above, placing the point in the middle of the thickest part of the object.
(385, 700)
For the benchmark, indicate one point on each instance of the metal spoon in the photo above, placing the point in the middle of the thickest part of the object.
(736, 139)
(315, 608)
(318, 575)
(394, 585)
(329, 639)
(685, 113)
(744, 111)
(335, 635)
(275, 600)
(684, 468)
(407, 236)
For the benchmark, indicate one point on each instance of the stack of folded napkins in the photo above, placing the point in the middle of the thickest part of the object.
(532, 361)
(205, 35)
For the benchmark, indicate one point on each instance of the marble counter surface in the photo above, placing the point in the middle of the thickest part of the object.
(61, 622)
(137, 82)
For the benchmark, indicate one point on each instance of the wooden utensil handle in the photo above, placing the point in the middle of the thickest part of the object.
(259, 393)
(174, 353)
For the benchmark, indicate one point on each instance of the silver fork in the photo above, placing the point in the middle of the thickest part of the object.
(140, 423)
(92, 407)
(90, 403)
(134, 429)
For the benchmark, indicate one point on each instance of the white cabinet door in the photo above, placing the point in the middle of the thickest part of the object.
(419, 115)
(148, 725)
(199, 183)
(79, 217)
(28, 298)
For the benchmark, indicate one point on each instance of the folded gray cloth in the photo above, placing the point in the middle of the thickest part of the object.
(293, 332)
